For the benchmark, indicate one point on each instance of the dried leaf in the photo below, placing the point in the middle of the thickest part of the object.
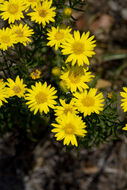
(101, 83)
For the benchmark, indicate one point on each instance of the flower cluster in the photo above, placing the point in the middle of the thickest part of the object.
(13, 11)
(73, 74)
(40, 97)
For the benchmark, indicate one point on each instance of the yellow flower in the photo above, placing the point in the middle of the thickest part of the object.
(125, 128)
(43, 13)
(89, 102)
(56, 71)
(22, 33)
(110, 95)
(7, 39)
(124, 99)
(68, 127)
(64, 109)
(16, 88)
(56, 36)
(68, 11)
(12, 10)
(3, 93)
(36, 74)
(76, 77)
(41, 97)
(79, 48)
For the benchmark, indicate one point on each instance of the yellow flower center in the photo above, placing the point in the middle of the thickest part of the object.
(78, 48)
(88, 101)
(69, 129)
(43, 13)
(75, 74)
(74, 78)
(59, 36)
(5, 39)
(13, 8)
(17, 89)
(19, 33)
(41, 97)
(66, 110)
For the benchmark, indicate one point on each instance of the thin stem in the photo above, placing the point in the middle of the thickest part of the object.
(107, 106)
(78, 9)
(70, 3)
(74, 18)
(27, 23)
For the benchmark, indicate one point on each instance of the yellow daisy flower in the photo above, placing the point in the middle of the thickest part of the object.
(76, 77)
(12, 10)
(124, 99)
(3, 93)
(41, 97)
(125, 128)
(7, 39)
(64, 109)
(35, 74)
(16, 88)
(68, 127)
(56, 36)
(43, 13)
(79, 48)
(22, 33)
(89, 102)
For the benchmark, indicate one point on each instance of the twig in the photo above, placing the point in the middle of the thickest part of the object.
(96, 176)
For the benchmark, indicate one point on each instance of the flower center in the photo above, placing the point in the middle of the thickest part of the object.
(74, 78)
(69, 128)
(5, 39)
(19, 33)
(13, 8)
(41, 97)
(78, 48)
(42, 13)
(66, 110)
(88, 101)
(17, 89)
(59, 36)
